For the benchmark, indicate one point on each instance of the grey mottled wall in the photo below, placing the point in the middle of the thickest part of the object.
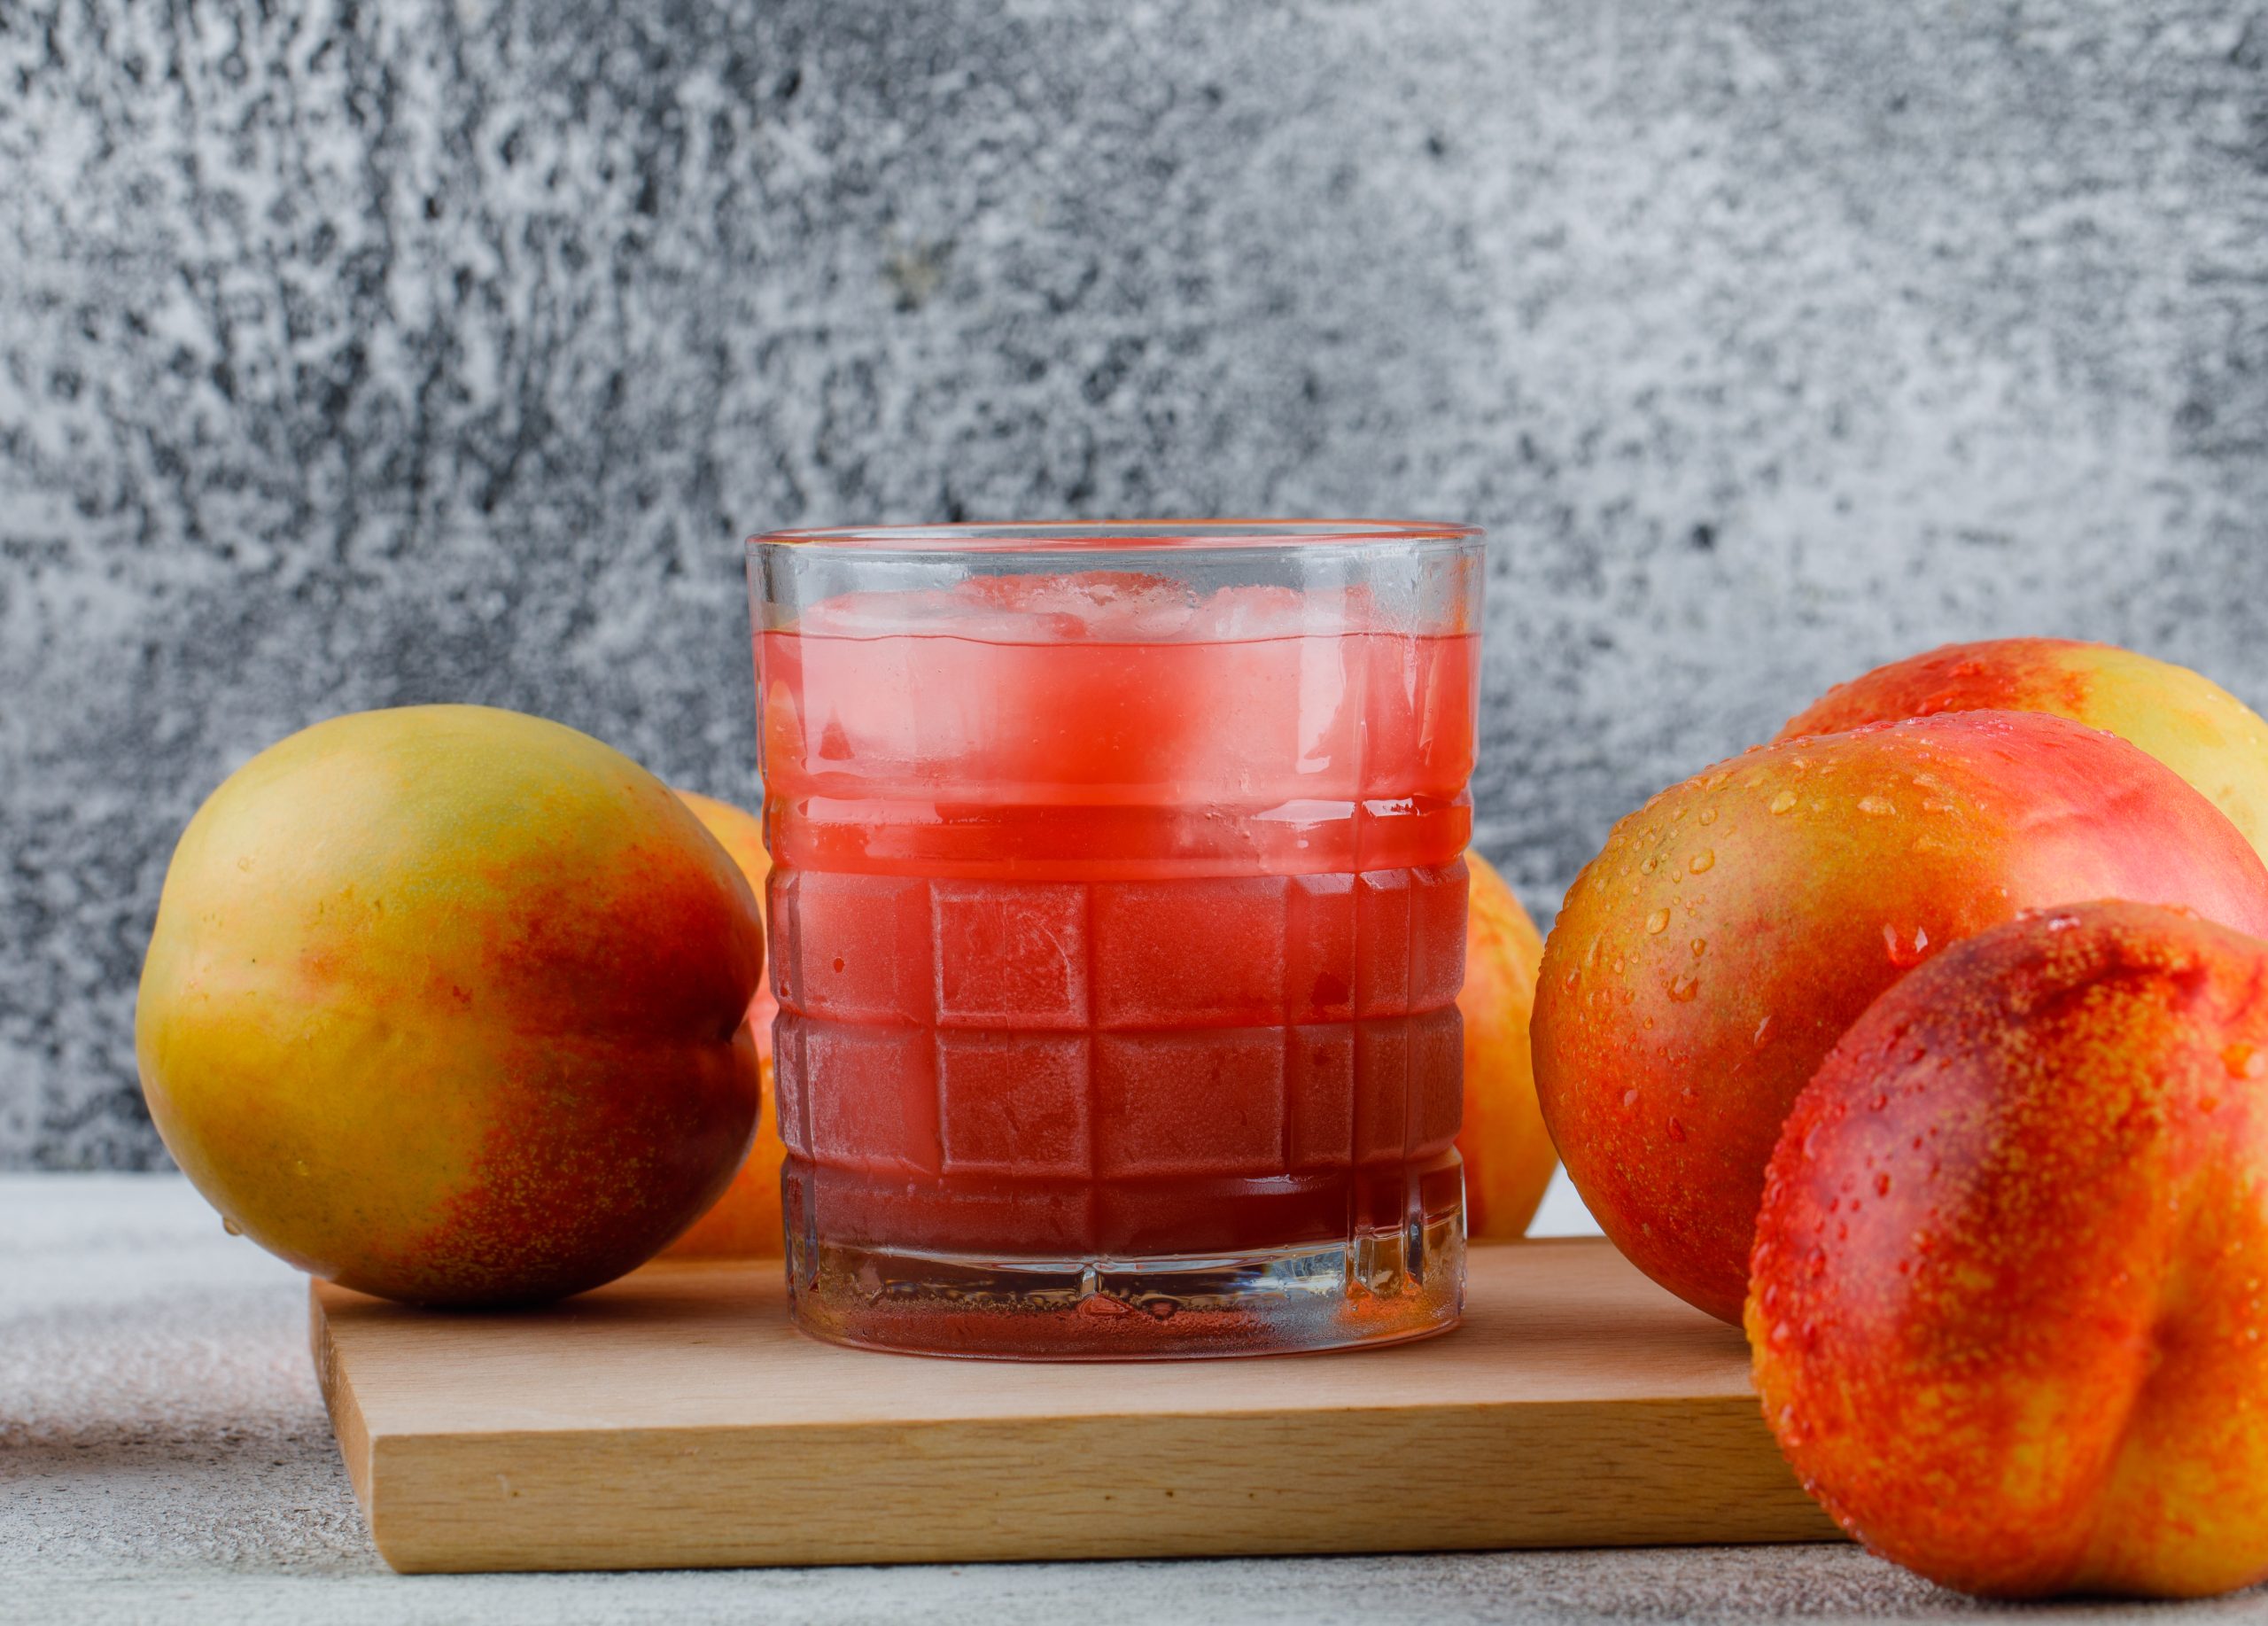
(364, 354)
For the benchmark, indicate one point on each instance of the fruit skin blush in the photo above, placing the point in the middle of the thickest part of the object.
(1118, 919)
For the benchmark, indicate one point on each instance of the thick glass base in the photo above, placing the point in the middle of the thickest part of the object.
(1385, 1286)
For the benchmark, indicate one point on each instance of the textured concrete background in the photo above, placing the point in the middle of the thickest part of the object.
(351, 355)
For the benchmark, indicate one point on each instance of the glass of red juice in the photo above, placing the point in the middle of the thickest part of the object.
(1118, 915)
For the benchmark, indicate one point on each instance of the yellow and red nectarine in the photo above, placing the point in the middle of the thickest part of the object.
(447, 1004)
(2182, 718)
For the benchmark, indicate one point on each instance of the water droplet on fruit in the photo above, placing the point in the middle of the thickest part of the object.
(1881, 1186)
(1682, 990)
(1762, 1028)
(1879, 806)
(1656, 923)
(1700, 947)
(1629, 1098)
(1676, 1131)
(838, 962)
(1650, 866)
(230, 1226)
(1708, 815)
(1782, 802)
(2245, 1062)
(1699, 862)
(1904, 951)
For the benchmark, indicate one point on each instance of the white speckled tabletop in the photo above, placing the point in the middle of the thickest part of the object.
(164, 1455)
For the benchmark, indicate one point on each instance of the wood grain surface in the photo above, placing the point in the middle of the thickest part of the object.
(676, 1419)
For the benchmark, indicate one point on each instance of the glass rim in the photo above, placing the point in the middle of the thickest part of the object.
(1118, 535)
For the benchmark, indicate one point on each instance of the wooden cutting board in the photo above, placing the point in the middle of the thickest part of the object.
(676, 1419)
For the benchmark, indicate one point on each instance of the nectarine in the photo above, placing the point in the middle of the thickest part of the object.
(1705, 961)
(744, 1223)
(447, 1004)
(1508, 1153)
(2183, 719)
(2008, 1307)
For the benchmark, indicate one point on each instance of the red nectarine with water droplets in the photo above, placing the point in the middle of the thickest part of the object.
(1732, 929)
(2010, 1298)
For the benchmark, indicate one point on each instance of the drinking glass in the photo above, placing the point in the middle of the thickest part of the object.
(1117, 914)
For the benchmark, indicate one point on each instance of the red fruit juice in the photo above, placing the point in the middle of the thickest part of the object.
(1113, 923)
